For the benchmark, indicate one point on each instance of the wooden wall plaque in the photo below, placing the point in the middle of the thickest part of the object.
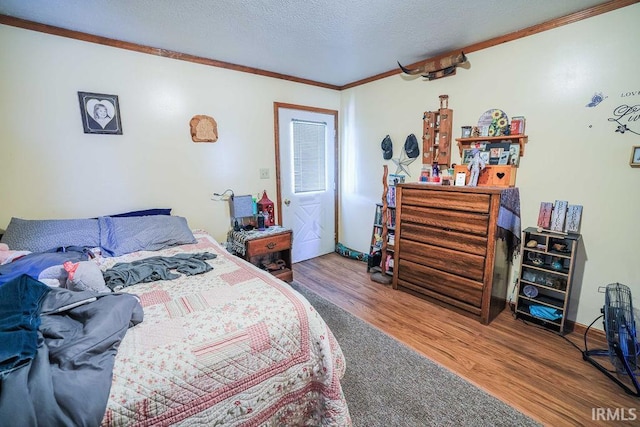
(203, 129)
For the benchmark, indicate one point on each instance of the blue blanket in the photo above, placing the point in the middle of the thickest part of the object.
(67, 383)
(509, 220)
(34, 263)
(20, 301)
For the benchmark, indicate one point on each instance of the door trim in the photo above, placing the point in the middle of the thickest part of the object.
(334, 113)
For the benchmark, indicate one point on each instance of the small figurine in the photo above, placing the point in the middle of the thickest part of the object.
(475, 166)
(435, 170)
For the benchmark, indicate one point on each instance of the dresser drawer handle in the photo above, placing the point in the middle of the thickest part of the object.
(271, 245)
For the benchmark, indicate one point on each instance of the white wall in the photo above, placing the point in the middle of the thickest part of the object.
(51, 169)
(574, 153)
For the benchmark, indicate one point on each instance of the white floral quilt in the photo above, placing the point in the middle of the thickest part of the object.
(233, 346)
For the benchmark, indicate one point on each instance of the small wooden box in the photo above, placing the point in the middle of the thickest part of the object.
(492, 175)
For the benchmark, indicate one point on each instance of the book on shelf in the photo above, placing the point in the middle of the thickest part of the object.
(378, 218)
(391, 218)
(377, 241)
(391, 196)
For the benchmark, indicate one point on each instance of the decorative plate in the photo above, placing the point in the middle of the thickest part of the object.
(530, 291)
(493, 122)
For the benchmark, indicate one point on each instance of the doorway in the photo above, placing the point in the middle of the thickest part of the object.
(307, 177)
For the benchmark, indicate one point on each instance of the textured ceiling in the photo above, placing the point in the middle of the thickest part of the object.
(335, 42)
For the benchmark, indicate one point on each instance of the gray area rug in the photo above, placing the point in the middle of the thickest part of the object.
(388, 384)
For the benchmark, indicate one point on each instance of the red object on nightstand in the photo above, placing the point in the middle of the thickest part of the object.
(265, 205)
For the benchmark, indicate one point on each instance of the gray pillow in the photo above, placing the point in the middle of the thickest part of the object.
(41, 235)
(119, 236)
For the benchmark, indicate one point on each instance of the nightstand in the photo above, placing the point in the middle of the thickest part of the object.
(269, 249)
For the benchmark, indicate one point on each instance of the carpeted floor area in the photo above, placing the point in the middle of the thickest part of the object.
(388, 384)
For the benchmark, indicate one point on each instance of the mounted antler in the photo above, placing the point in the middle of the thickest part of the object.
(434, 69)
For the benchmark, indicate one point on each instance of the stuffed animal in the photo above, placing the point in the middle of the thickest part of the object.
(85, 276)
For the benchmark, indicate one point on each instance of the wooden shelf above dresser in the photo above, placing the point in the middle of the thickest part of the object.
(467, 142)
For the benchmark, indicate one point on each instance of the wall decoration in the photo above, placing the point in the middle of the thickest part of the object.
(203, 129)
(402, 163)
(435, 69)
(558, 215)
(544, 216)
(493, 122)
(635, 156)
(436, 134)
(596, 99)
(100, 113)
(574, 215)
(626, 118)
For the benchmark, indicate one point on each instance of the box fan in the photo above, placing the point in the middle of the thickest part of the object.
(623, 346)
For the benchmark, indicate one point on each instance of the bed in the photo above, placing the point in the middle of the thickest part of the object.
(230, 346)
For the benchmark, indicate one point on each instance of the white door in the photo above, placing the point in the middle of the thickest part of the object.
(307, 176)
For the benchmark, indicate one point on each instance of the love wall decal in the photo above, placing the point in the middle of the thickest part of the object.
(626, 115)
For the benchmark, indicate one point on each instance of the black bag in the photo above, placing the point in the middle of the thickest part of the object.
(375, 259)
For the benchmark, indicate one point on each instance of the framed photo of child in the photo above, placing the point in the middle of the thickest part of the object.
(100, 113)
(635, 157)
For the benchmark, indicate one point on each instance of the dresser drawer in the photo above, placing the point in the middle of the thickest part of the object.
(437, 283)
(265, 245)
(448, 260)
(469, 202)
(463, 242)
(465, 222)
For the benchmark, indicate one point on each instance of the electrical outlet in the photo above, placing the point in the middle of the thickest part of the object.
(264, 173)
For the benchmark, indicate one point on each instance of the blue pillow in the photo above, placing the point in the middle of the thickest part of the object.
(119, 236)
(41, 235)
(145, 212)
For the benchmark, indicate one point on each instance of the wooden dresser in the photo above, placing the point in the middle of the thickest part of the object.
(447, 249)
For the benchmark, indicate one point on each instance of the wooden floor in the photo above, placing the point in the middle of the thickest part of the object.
(537, 372)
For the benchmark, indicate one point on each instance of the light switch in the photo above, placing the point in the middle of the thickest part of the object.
(264, 173)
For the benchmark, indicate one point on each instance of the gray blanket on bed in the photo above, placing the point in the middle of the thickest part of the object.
(150, 269)
(68, 381)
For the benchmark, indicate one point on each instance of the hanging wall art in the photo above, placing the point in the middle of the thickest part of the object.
(100, 113)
